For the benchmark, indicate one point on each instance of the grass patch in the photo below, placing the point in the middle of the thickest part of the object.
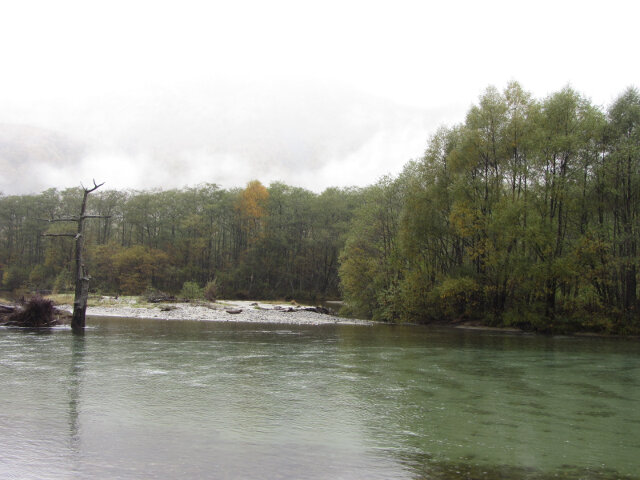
(61, 298)
(293, 303)
(99, 300)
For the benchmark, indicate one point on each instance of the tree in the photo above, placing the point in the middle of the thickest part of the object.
(624, 123)
(81, 275)
(370, 269)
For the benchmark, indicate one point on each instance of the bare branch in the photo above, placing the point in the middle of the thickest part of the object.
(95, 186)
(59, 235)
(63, 219)
(71, 219)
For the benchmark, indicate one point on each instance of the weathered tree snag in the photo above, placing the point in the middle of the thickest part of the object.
(81, 295)
(81, 275)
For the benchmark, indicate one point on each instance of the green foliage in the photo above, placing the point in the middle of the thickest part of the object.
(527, 213)
(14, 277)
(63, 282)
(191, 291)
(458, 297)
(259, 242)
(39, 278)
(210, 291)
(369, 268)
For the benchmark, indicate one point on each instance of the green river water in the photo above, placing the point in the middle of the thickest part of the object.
(167, 399)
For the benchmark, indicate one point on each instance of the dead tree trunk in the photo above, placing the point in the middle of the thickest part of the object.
(81, 276)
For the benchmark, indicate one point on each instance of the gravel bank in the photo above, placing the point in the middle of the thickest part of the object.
(250, 312)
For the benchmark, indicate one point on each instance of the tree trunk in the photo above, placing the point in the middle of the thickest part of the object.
(80, 302)
(81, 276)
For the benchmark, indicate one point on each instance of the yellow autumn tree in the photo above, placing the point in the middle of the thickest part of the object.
(251, 206)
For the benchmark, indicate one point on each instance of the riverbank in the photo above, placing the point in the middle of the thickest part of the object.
(220, 311)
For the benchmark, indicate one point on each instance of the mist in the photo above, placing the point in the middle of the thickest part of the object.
(315, 94)
(306, 135)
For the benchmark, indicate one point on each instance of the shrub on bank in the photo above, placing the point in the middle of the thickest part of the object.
(211, 291)
(191, 291)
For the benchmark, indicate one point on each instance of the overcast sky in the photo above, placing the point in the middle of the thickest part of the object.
(313, 93)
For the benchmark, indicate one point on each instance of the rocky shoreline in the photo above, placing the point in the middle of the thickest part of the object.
(222, 311)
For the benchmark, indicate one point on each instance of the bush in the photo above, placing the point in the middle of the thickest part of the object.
(14, 277)
(458, 297)
(389, 305)
(211, 291)
(38, 278)
(191, 291)
(63, 282)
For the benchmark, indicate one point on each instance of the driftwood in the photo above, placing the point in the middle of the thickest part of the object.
(6, 309)
(159, 297)
(233, 310)
(38, 312)
(322, 310)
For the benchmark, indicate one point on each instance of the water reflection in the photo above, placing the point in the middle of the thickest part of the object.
(76, 367)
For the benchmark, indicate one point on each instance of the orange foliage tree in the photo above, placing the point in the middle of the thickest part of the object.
(251, 207)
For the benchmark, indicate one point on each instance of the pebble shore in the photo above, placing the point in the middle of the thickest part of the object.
(251, 312)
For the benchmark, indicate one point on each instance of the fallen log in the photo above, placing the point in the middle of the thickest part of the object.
(280, 308)
(7, 309)
(322, 310)
(159, 297)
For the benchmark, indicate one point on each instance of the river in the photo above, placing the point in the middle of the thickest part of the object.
(181, 399)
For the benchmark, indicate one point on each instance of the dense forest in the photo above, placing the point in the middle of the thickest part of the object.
(255, 242)
(526, 214)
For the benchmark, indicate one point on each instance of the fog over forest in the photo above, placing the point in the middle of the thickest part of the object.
(313, 137)
(314, 94)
